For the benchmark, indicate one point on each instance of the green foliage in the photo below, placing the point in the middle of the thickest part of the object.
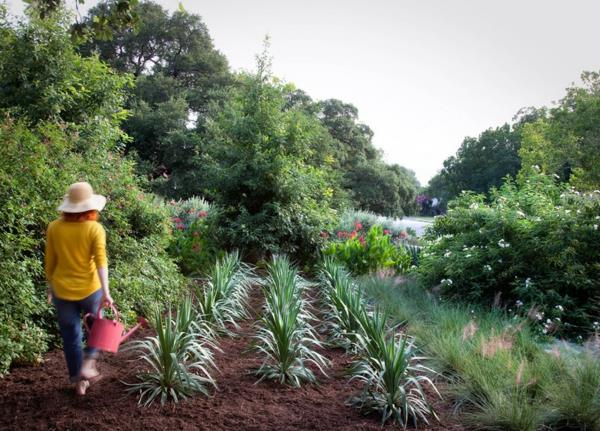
(534, 244)
(60, 133)
(285, 336)
(194, 242)
(499, 377)
(364, 253)
(565, 141)
(178, 358)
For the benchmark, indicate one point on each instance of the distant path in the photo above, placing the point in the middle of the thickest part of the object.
(418, 225)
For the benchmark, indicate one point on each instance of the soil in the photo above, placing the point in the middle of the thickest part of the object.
(40, 398)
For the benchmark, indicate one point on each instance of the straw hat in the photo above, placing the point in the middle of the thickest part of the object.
(81, 198)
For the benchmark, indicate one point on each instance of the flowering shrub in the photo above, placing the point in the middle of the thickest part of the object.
(363, 252)
(535, 244)
(193, 234)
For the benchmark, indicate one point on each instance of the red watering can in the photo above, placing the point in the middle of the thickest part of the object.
(107, 334)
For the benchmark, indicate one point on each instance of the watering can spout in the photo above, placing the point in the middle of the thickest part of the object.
(141, 323)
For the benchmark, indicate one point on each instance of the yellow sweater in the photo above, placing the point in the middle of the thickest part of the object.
(74, 252)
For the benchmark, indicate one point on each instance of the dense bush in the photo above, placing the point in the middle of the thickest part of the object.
(535, 244)
(194, 242)
(67, 131)
(363, 251)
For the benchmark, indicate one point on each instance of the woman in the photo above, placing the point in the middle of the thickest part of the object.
(77, 275)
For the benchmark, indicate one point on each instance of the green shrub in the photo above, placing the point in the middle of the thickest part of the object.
(364, 253)
(534, 244)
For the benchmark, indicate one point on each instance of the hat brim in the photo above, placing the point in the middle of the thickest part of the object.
(96, 202)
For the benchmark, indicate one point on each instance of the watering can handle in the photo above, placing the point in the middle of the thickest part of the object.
(99, 314)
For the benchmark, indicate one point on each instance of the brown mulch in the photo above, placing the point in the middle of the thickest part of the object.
(40, 398)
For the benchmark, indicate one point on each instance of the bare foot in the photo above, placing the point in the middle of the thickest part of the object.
(89, 370)
(81, 387)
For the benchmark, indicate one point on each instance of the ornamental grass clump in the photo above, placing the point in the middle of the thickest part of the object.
(391, 371)
(178, 359)
(285, 336)
(223, 295)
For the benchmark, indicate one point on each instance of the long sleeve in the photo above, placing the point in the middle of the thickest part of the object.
(99, 247)
(49, 257)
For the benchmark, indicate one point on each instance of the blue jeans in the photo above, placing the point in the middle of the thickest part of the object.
(69, 323)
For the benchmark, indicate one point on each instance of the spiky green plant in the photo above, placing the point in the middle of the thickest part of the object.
(222, 296)
(343, 300)
(392, 373)
(285, 336)
(177, 360)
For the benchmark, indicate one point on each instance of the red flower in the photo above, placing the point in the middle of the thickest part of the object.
(176, 219)
(362, 240)
(358, 225)
(387, 232)
(324, 234)
(342, 234)
(353, 234)
(202, 214)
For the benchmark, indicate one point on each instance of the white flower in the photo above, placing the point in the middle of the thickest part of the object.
(528, 283)
(520, 213)
(519, 303)
(446, 282)
(468, 255)
(448, 253)
(545, 331)
(487, 268)
(539, 316)
(595, 227)
(503, 244)
(499, 260)
(474, 206)
(560, 308)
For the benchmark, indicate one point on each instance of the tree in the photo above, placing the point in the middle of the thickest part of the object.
(480, 163)
(277, 193)
(566, 141)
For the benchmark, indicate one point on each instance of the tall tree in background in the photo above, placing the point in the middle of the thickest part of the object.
(179, 74)
(375, 186)
(566, 141)
(480, 163)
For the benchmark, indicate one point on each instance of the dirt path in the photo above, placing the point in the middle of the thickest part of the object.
(39, 398)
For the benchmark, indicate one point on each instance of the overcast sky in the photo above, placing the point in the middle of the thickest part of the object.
(423, 74)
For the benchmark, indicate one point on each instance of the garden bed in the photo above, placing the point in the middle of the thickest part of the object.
(40, 398)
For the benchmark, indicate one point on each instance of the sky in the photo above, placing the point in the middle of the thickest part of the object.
(423, 74)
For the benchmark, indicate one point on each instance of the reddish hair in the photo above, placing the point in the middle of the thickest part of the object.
(84, 216)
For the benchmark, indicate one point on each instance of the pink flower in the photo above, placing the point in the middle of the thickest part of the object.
(324, 234)
(362, 240)
(403, 235)
(387, 232)
(358, 225)
(342, 234)
(176, 219)
(353, 234)
(202, 214)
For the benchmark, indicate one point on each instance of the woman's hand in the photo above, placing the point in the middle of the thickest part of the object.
(107, 299)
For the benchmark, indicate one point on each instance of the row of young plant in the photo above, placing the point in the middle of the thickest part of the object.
(386, 359)
(497, 373)
(177, 362)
